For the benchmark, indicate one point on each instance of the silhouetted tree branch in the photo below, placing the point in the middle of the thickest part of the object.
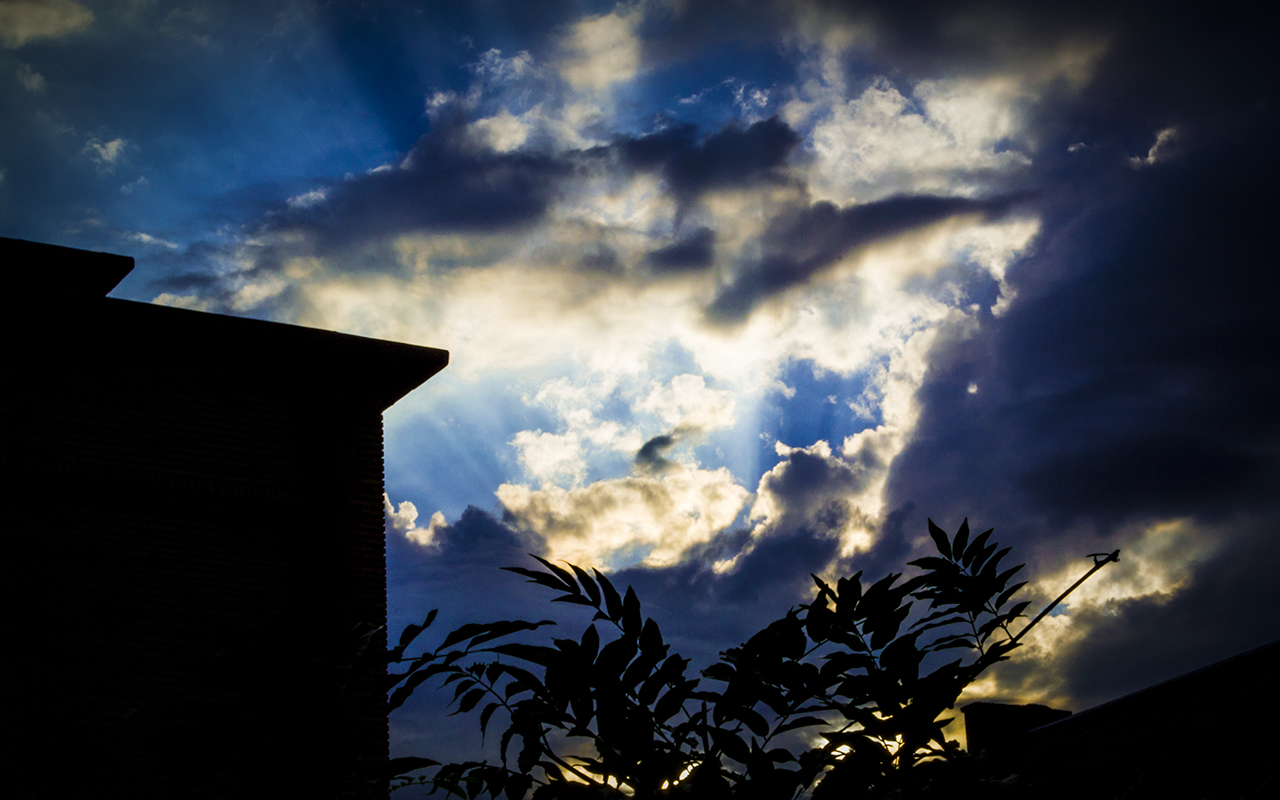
(833, 699)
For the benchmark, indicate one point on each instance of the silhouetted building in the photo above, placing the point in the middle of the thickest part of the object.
(994, 726)
(1202, 735)
(194, 542)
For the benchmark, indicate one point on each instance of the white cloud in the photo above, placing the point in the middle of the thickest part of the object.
(493, 67)
(503, 132)
(941, 138)
(601, 51)
(22, 21)
(105, 153)
(650, 519)
(404, 520)
(842, 495)
(1164, 148)
(148, 239)
(134, 185)
(551, 457)
(308, 199)
(31, 80)
(687, 403)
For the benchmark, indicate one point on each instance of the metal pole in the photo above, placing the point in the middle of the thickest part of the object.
(1100, 560)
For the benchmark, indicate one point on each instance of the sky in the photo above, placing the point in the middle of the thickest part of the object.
(734, 292)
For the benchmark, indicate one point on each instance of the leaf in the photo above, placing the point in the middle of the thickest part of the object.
(1008, 593)
(1016, 610)
(500, 629)
(753, 720)
(614, 658)
(720, 671)
(485, 715)
(411, 632)
(1004, 577)
(799, 722)
(818, 622)
(887, 629)
(960, 642)
(975, 548)
(540, 578)
(672, 701)
(590, 643)
(731, 744)
(962, 539)
(613, 602)
(480, 632)
(940, 539)
(932, 563)
(576, 599)
(398, 767)
(631, 613)
(518, 786)
(593, 591)
(534, 654)
(463, 685)
(651, 638)
(400, 695)
(570, 585)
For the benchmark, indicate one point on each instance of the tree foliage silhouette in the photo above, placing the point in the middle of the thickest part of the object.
(842, 697)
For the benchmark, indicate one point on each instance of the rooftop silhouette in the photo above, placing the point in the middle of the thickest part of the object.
(196, 541)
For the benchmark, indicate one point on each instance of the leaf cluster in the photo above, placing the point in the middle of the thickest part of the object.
(841, 697)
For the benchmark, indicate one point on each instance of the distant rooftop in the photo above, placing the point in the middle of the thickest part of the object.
(1186, 737)
(380, 372)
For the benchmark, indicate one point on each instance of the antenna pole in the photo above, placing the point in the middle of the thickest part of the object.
(1100, 560)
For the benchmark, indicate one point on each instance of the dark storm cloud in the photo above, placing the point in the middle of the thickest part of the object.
(696, 251)
(650, 457)
(806, 242)
(1132, 381)
(446, 183)
(442, 185)
(1216, 614)
(732, 157)
(1166, 472)
(1135, 373)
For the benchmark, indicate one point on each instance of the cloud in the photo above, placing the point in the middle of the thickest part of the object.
(551, 457)
(1120, 406)
(1164, 148)
(502, 132)
(493, 67)
(151, 241)
(688, 404)
(648, 518)
(730, 158)
(650, 460)
(308, 199)
(809, 241)
(106, 153)
(601, 51)
(695, 252)
(31, 80)
(944, 138)
(444, 183)
(22, 21)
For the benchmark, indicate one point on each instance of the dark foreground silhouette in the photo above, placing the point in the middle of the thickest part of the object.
(843, 696)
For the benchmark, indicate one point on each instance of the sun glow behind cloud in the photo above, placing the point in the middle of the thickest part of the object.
(733, 292)
(584, 298)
